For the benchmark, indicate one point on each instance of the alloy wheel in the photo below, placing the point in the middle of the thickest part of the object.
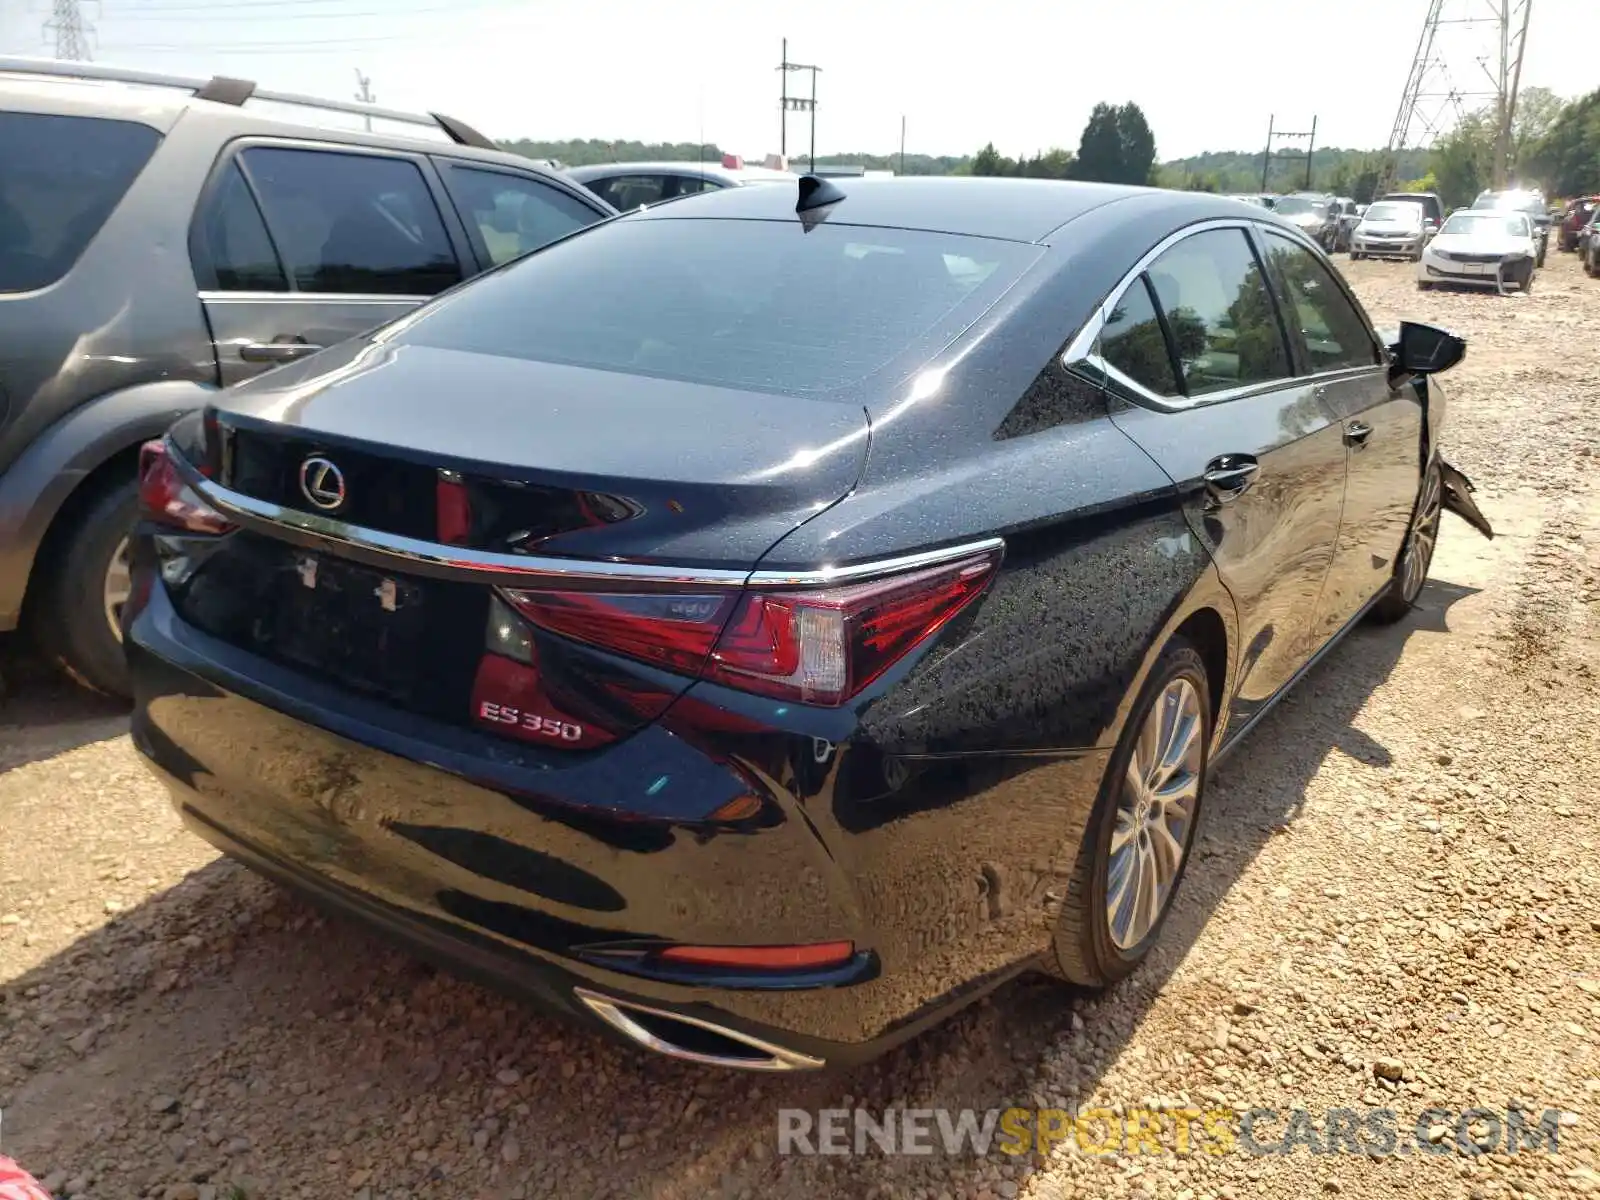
(1424, 533)
(118, 587)
(1156, 809)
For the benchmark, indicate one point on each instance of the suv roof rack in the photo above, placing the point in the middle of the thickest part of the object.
(221, 89)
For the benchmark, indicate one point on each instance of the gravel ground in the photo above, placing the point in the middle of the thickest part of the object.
(1395, 904)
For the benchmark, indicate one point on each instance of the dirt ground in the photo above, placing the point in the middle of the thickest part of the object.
(1396, 904)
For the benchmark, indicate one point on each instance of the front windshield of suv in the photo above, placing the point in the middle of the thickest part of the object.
(1293, 206)
(1396, 212)
(1478, 223)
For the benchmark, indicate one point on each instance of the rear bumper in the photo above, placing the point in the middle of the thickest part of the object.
(512, 870)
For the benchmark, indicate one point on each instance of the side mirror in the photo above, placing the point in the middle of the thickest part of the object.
(1426, 349)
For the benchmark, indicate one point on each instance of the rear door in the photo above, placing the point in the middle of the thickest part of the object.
(509, 213)
(298, 246)
(1344, 363)
(1197, 344)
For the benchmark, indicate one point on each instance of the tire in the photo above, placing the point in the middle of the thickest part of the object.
(1424, 285)
(1526, 282)
(1356, 256)
(1416, 556)
(1539, 259)
(1086, 950)
(75, 622)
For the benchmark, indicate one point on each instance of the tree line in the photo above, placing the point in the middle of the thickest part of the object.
(1554, 143)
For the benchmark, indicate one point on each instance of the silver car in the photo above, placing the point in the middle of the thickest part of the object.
(1482, 248)
(1390, 229)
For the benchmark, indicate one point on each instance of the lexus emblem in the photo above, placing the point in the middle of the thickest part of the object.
(323, 483)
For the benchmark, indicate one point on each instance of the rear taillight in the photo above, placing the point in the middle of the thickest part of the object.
(819, 646)
(167, 499)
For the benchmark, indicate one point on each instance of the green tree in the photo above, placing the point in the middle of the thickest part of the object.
(1100, 147)
(1138, 157)
(989, 162)
(1461, 161)
(1538, 109)
(1567, 157)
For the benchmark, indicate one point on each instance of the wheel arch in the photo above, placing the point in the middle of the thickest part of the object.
(67, 465)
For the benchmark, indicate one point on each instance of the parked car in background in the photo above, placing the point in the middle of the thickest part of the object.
(1528, 201)
(161, 238)
(1349, 217)
(1589, 244)
(647, 689)
(1574, 217)
(626, 186)
(1389, 229)
(1482, 248)
(1430, 203)
(1259, 199)
(1315, 214)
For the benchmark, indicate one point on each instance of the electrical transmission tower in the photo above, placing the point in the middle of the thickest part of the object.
(1468, 58)
(70, 30)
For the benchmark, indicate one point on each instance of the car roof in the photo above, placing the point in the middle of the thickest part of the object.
(161, 105)
(1018, 210)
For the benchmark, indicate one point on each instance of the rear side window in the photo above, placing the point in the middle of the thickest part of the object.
(514, 214)
(628, 192)
(1334, 334)
(1132, 341)
(234, 240)
(60, 178)
(352, 223)
(759, 305)
(1221, 314)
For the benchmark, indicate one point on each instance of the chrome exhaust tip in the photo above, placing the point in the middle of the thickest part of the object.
(691, 1039)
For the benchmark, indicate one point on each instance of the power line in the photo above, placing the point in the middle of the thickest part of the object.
(187, 15)
(71, 31)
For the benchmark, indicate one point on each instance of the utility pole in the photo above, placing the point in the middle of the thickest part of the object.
(365, 94)
(902, 143)
(1461, 34)
(1276, 134)
(788, 104)
(71, 32)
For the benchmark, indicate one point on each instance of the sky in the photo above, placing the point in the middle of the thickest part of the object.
(1016, 72)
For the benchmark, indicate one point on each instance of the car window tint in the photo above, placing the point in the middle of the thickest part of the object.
(514, 213)
(1327, 322)
(234, 239)
(627, 192)
(60, 178)
(1220, 312)
(1132, 341)
(349, 223)
(806, 312)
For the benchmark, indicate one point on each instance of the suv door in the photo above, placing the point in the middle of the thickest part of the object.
(299, 246)
(1197, 344)
(509, 213)
(1347, 368)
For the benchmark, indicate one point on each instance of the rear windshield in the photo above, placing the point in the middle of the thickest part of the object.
(60, 177)
(759, 305)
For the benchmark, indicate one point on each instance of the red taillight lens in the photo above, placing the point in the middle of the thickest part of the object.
(671, 630)
(166, 498)
(816, 647)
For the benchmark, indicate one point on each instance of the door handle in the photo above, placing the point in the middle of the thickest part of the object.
(275, 352)
(1357, 432)
(1226, 478)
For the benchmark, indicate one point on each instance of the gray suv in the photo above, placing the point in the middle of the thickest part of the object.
(161, 238)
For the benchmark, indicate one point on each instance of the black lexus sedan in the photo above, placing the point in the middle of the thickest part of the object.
(762, 625)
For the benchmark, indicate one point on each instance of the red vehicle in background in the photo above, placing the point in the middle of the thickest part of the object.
(1573, 218)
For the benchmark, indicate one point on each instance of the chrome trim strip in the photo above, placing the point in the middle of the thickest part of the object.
(511, 569)
(215, 297)
(615, 1014)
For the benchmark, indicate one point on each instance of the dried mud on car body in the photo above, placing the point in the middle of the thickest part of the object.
(1399, 864)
